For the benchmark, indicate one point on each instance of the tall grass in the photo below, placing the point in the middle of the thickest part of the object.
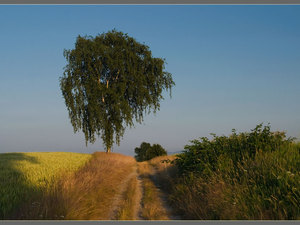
(244, 176)
(26, 176)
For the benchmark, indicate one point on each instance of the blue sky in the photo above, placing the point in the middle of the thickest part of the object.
(234, 67)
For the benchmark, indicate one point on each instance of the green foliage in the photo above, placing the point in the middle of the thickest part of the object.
(141, 151)
(111, 81)
(202, 156)
(268, 185)
(146, 151)
(244, 176)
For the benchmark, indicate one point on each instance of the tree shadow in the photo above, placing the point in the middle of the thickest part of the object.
(15, 189)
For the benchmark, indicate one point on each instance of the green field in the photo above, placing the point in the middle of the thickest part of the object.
(25, 176)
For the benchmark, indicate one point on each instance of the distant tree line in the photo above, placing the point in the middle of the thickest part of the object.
(147, 152)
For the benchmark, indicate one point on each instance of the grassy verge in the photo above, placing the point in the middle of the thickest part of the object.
(25, 177)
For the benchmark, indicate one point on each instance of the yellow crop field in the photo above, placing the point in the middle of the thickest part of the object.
(24, 176)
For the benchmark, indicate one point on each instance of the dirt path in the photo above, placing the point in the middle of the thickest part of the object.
(138, 202)
(157, 208)
(163, 197)
(149, 201)
(119, 196)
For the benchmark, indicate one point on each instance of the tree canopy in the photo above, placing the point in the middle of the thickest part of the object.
(147, 152)
(111, 81)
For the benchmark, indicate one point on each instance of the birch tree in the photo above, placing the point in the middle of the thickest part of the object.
(110, 82)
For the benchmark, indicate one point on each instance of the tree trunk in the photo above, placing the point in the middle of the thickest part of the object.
(102, 94)
(108, 150)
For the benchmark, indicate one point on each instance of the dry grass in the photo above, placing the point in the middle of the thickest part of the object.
(164, 171)
(152, 205)
(199, 200)
(127, 205)
(144, 169)
(158, 161)
(88, 193)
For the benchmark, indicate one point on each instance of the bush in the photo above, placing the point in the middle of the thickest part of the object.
(147, 152)
(244, 176)
(202, 157)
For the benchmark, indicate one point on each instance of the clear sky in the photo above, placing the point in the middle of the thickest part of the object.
(234, 67)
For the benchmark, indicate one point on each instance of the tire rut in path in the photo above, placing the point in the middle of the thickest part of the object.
(163, 197)
(138, 200)
(119, 196)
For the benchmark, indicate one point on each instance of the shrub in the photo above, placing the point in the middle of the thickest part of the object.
(243, 176)
(202, 156)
